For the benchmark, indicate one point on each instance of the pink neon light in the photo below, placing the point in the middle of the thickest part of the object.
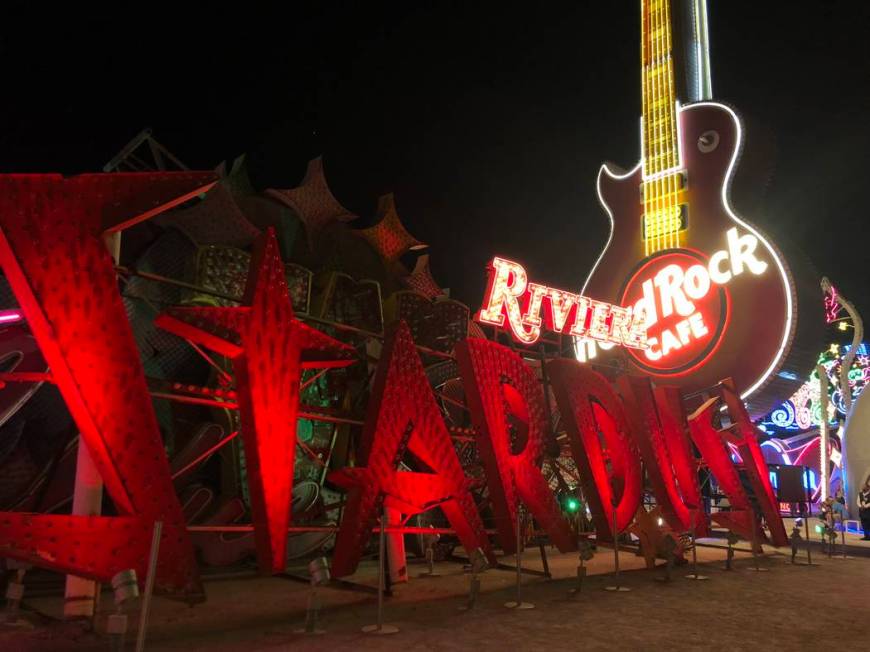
(10, 316)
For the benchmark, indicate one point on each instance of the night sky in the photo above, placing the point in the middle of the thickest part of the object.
(488, 122)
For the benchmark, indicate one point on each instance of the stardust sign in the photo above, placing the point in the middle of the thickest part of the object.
(53, 254)
(527, 307)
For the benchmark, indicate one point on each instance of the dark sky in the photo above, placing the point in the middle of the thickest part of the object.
(487, 120)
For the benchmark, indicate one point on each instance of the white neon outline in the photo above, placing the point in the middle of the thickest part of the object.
(726, 186)
(779, 448)
(518, 330)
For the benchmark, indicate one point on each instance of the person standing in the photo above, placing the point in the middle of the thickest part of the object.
(864, 508)
(839, 507)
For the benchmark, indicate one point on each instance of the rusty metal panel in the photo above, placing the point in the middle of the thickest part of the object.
(437, 325)
(225, 270)
(215, 220)
(389, 237)
(420, 280)
(313, 201)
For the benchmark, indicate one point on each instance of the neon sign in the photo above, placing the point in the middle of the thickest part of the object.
(803, 410)
(529, 307)
(686, 302)
(47, 217)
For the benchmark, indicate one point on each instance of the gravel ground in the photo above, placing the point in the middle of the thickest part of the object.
(736, 610)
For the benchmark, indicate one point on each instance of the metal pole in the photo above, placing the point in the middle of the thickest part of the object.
(823, 431)
(755, 546)
(694, 575)
(807, 530)
(518, 603)
(381, 570)
(519, 562)
(615, 548)
(616, 586)
(149, 586)
(80, 593)
(380, 627)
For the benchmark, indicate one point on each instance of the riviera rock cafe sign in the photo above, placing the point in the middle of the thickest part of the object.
(674, 301)
(52, 252)
(684, 298)
(509, 294)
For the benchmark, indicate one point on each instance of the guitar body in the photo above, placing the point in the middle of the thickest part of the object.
(705, 342)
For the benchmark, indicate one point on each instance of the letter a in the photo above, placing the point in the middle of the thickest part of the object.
(402, 416)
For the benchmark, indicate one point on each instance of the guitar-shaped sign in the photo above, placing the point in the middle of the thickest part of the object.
(717, 295)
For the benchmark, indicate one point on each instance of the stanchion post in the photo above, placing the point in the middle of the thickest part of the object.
(694, 574)
(478, 563)
(729, 555)
(15, 593)
(380, 627)
(584, 552)
(807, 530)
(429, 541)
(149, 586)
(616, 585)
(126, 589)
(318, 571)
(755, 546)
(518, 603)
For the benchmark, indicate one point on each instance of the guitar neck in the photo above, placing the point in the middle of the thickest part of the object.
(660, 149)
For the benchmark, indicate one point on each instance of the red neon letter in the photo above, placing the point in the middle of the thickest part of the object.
(662, 469)
(498, 385)
(714, 451)
(52, 252)
(589, 406)
(403, 415)
(754, 464)
(685, 467)
(711, 443)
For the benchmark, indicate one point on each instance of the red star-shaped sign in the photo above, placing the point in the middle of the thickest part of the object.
(269, 348)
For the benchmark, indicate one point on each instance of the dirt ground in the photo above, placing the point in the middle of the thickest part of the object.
(736, 610)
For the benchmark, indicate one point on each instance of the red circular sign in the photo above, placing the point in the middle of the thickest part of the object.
(686, 311)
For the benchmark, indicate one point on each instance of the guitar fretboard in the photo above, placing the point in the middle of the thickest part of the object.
(663, 184)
